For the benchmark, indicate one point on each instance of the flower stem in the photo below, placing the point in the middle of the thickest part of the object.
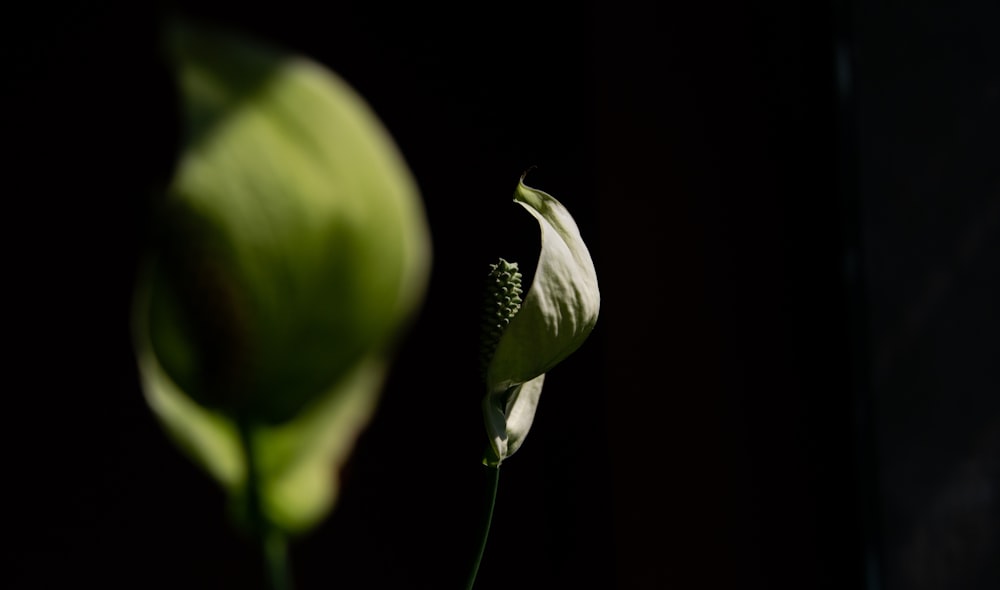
(275, 549)
(272, 544)
(494, 482)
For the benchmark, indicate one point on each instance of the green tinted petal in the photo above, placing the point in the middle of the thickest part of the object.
(207, 436)
(296, 459)
(292, 249)
(294, 239)
(508, 418)
(561, 307)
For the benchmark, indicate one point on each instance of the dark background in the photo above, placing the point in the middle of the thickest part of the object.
(794, 213)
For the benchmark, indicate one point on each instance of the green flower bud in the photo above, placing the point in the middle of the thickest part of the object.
(291, 249)
(555, 318)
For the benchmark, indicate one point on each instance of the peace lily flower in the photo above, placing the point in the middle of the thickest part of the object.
(534, 335)
(291, 250)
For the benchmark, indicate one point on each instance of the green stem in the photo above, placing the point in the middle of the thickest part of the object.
(275, 549)
(272, 543)
(494, 482)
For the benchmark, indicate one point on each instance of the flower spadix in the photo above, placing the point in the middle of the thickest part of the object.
(550, 322)
(290, 250)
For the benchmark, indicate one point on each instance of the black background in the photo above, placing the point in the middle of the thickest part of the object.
(794, 216)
